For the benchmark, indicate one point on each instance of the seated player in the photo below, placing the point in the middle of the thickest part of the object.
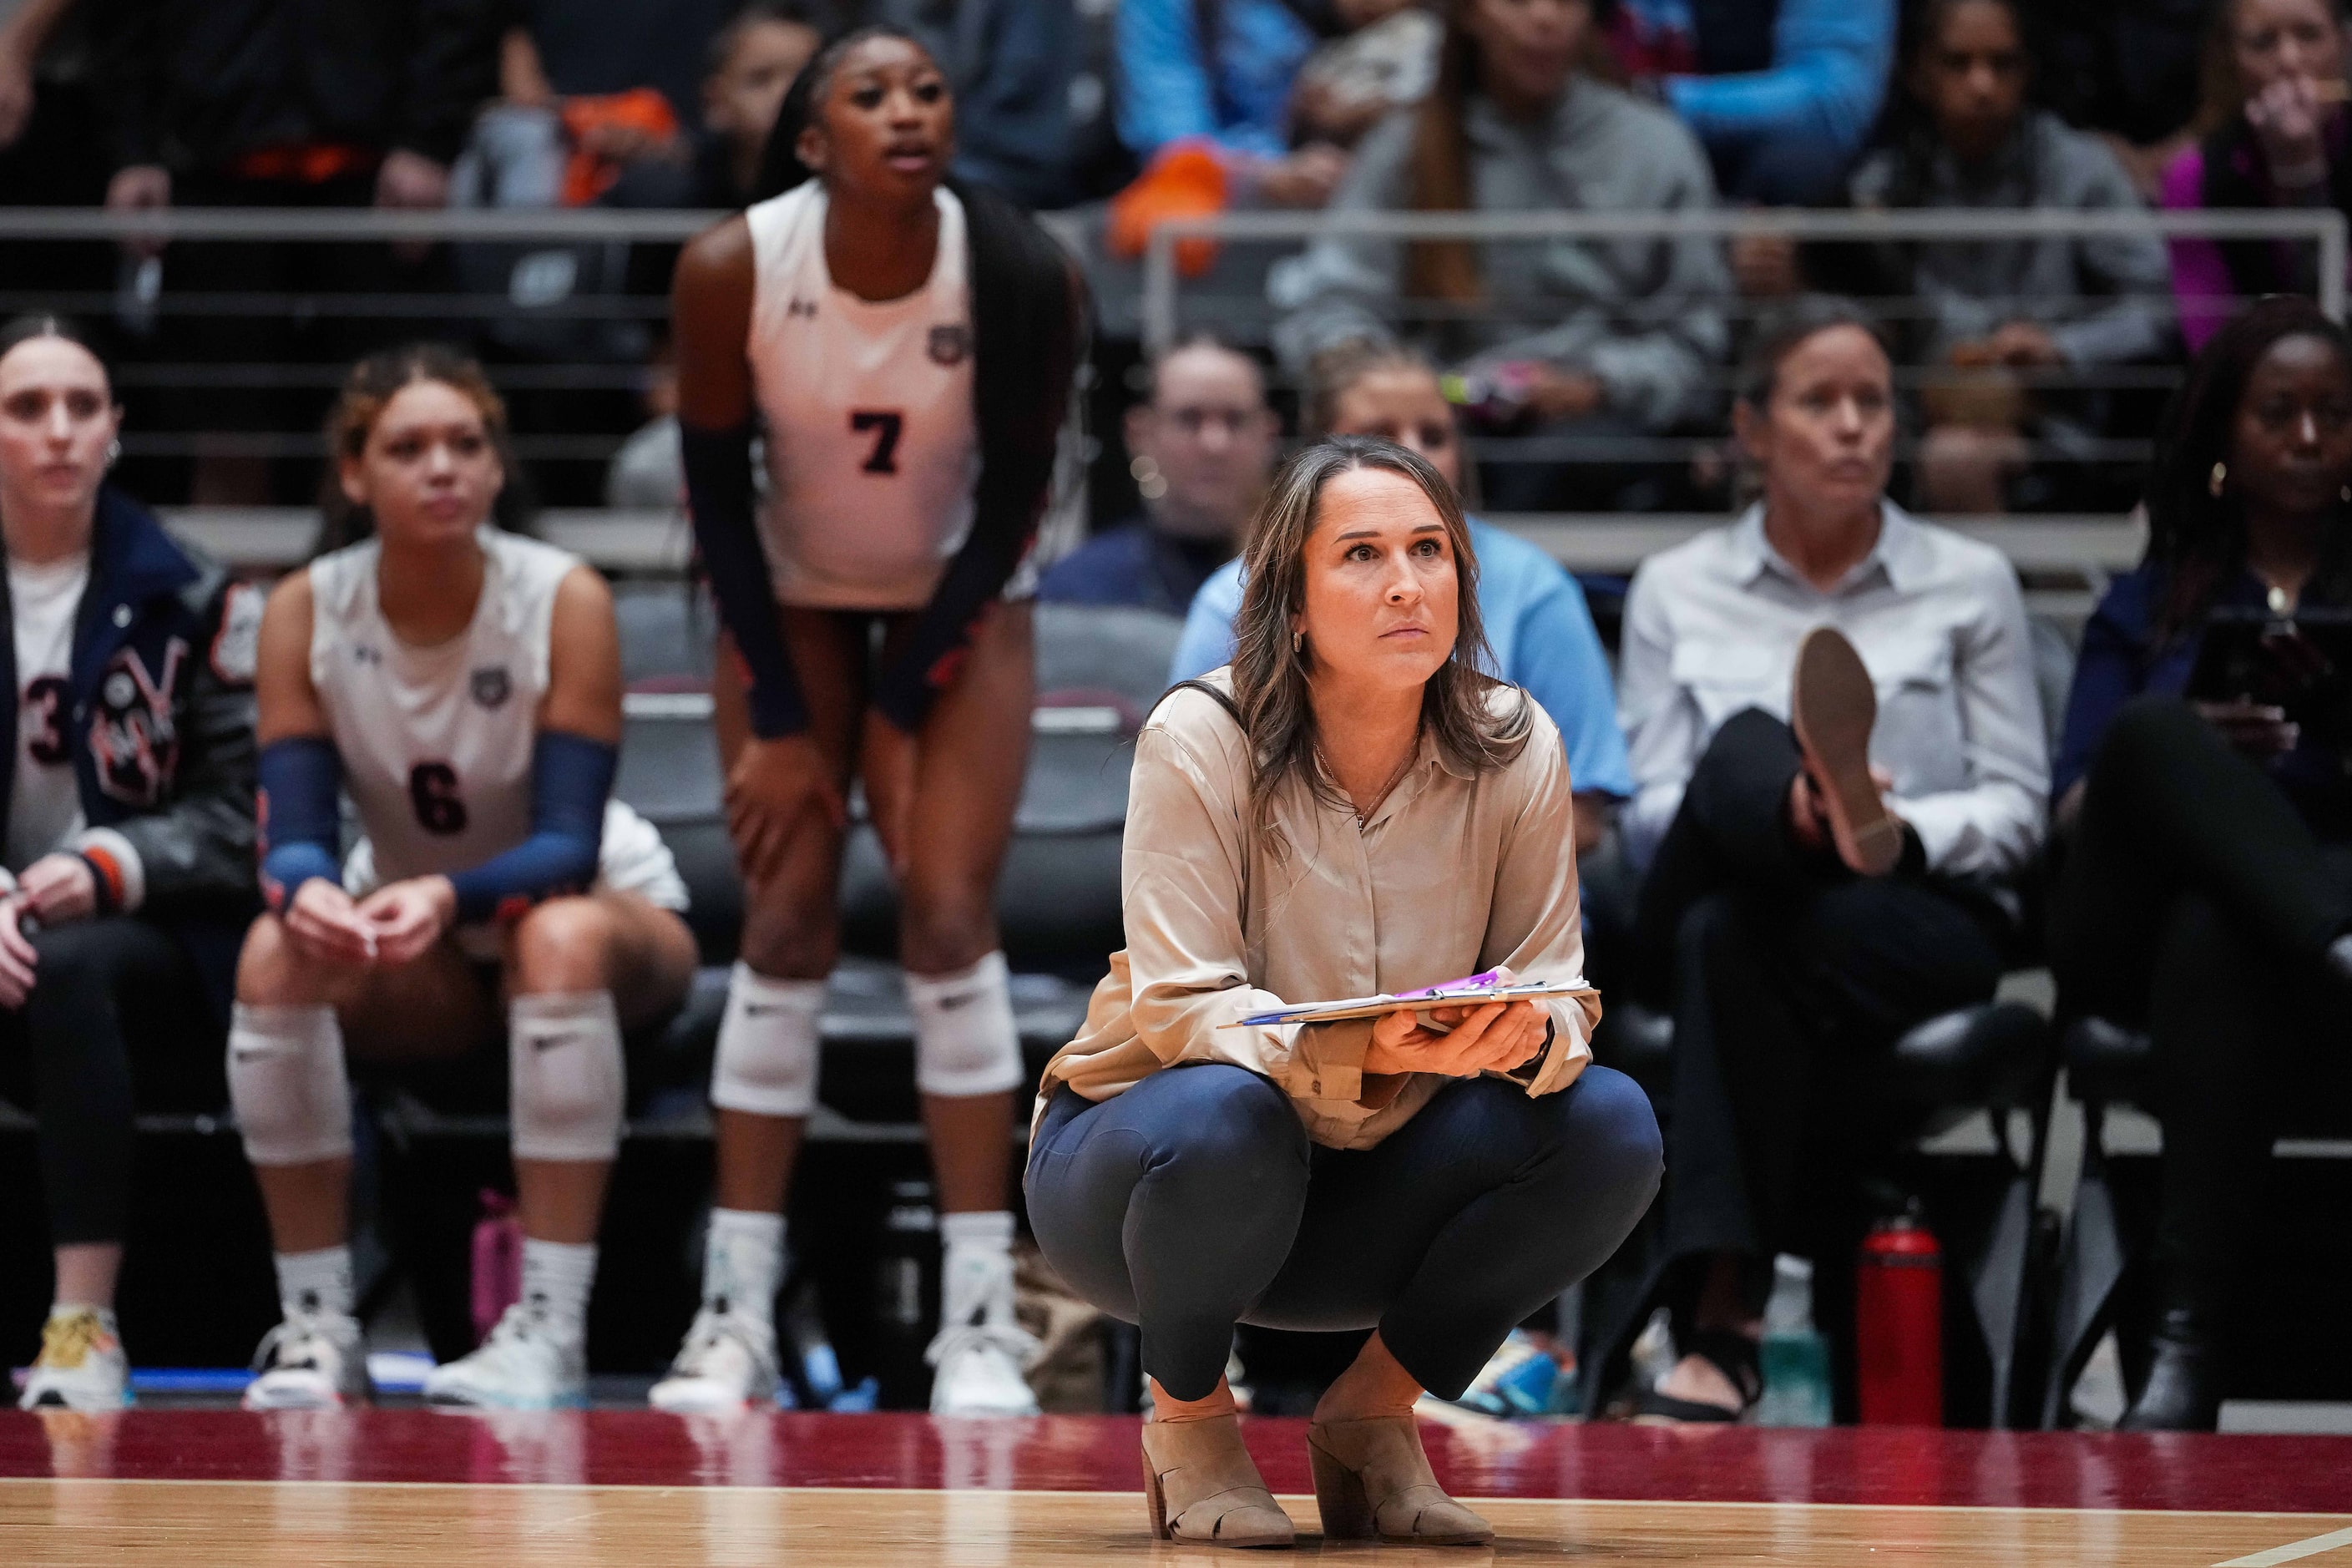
(129, 866)
(463, 684)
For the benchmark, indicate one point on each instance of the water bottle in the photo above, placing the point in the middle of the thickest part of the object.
(1796, 1358)
(496, 1281)
(1898, 1324)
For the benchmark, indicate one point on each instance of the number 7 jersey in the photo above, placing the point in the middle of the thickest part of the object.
(872, 442)
(436, 741)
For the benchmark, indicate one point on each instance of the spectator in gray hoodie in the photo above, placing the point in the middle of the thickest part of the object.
(2008, 322)
(1564, 337)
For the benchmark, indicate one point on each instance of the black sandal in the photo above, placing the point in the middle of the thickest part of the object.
(1734, 1355)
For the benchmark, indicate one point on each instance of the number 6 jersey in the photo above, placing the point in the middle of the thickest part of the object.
(873, 449)
(436, 741)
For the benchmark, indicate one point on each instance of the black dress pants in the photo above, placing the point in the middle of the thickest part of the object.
(1782, 970)
(107, 991)
(2195, 899)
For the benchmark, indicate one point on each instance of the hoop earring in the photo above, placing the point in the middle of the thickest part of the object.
(2219, 477)
(1298, 641)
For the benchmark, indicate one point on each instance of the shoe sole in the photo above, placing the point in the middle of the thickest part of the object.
(477, 1402)
(1832, 707)
(52, 1399)
(678, 1406)
(265, 1403)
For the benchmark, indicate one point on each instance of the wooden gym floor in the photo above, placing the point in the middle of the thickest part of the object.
(630, 1489)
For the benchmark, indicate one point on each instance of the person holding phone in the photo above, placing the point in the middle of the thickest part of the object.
(2205, 889)
(1350, 808)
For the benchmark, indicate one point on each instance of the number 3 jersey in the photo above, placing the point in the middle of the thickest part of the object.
(872, 449)
(436, 741)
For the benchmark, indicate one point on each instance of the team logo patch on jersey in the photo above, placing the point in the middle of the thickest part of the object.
(492, 686)
(950, 344)
(133, 736)
(236, 647)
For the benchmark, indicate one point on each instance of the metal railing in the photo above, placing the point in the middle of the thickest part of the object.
(2326, 228)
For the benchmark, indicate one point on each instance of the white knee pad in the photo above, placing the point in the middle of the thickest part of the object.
(965, 1043)
(563, 1061)
(768, 1045)
(287, 1080)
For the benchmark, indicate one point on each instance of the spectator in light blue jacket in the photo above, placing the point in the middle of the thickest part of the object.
(1782, 93)
(1537, 620)
(1178, 83)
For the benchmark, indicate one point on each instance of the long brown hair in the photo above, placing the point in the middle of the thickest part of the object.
(1270, 674)
(1445, 268)
(375, 381)
(1448, 268)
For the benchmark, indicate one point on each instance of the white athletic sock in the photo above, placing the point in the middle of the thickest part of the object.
(315, 1282)
(976, 1268)
(742, 1264)
(59, 1310)
(556, 1276)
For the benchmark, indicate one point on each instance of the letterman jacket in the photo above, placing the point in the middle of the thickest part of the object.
(158, 714)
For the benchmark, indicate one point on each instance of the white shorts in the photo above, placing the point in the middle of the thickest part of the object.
(631, 860)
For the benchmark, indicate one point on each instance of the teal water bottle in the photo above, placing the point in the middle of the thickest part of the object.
(1796, 1358)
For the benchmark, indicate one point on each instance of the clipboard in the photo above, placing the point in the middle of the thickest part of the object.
(1472, 991)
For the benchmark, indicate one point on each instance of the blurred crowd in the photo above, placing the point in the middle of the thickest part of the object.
(1593, 372)
(2132, 819)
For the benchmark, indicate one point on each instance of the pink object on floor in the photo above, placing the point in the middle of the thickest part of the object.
(497, 1262)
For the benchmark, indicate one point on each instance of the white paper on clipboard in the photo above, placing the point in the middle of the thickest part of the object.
(1459, 996)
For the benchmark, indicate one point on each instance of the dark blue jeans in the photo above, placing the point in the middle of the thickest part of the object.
(1194, 1201)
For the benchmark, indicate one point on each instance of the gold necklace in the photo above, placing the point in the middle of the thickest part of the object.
(1364, 814)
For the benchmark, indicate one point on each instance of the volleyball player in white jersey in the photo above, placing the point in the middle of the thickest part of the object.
(906, 344)
(463, 685)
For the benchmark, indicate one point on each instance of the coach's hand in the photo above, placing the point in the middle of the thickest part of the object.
(771, 789)
(886, 764)
(18, 958)
(325, 925)
(407, 918)
(1495, 1036)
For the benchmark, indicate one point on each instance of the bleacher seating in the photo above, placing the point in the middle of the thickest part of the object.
(1098, 672)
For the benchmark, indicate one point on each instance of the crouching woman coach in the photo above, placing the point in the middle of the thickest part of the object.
(1350, 808)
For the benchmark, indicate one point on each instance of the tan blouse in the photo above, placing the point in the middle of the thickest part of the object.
(1452, 874)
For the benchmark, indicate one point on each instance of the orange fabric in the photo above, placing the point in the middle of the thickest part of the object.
(105, 866)
(1187, 180)
(304, 163)
(641, 109)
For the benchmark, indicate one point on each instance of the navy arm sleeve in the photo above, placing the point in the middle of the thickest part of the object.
(718, 493)
(299, 830)
(943, 634)
(570, 778)
(1029, 310)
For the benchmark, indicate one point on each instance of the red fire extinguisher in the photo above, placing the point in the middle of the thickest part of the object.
(1898, 1325)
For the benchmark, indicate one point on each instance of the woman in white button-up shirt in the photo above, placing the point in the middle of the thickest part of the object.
(1786, 956)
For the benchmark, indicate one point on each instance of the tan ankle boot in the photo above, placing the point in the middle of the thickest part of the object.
(1372, 1479)
(1201, 1485)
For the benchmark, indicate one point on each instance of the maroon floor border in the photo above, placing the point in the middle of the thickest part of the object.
(2038, 1469)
